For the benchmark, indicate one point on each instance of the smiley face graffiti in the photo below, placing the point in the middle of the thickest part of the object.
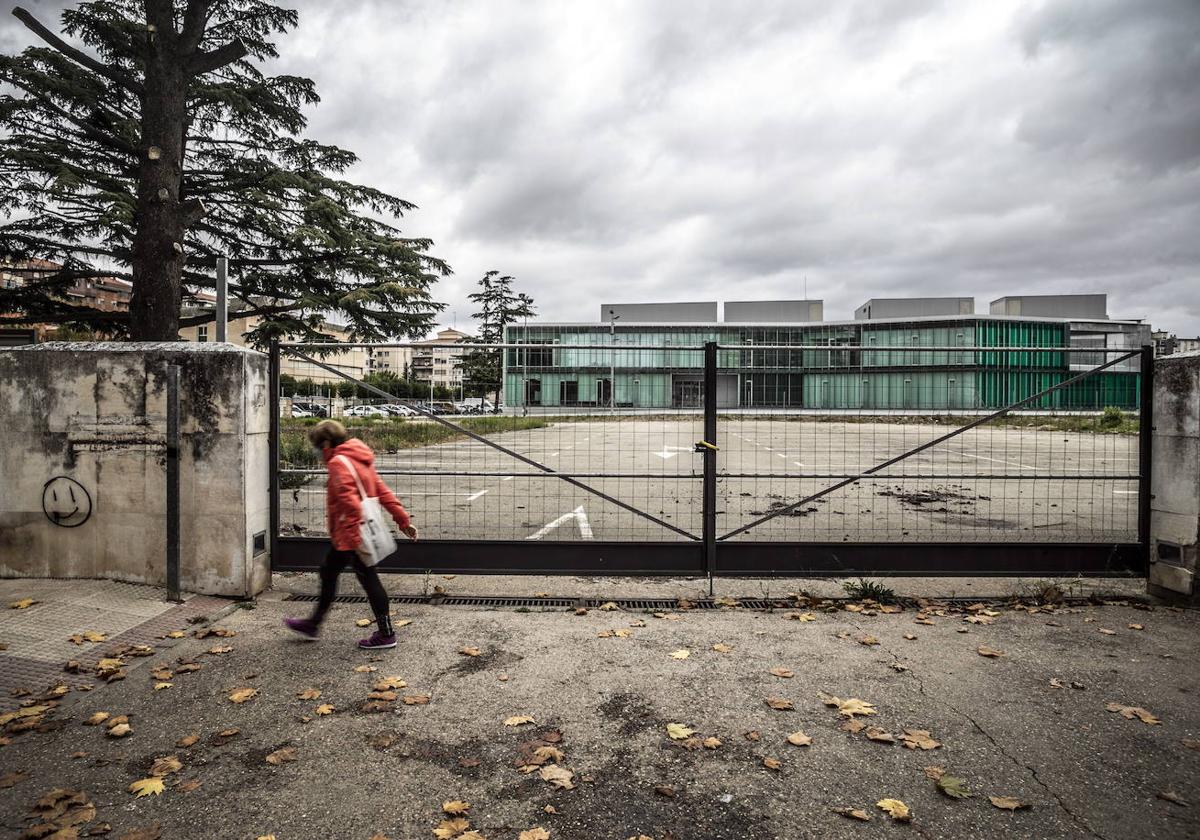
(66, 502)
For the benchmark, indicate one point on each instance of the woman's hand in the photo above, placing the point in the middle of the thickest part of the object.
(410, 531)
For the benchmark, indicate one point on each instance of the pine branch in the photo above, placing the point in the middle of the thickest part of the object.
(107, 71)
(206, 62)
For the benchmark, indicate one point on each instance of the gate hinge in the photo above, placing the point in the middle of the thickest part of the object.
(701, 445)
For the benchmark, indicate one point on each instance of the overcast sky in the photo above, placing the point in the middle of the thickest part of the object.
(709, 151)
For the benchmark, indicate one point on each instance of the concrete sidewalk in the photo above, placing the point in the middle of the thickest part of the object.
(601, 688)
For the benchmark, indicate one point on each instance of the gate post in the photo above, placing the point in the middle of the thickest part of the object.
(273, 451)
(710, 461)
(1145, 440)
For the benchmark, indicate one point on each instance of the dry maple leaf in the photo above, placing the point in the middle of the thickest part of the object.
(896, 809)
(363, 622)
(910, 637)
(163, 686)
(389, 683)
(120, 730)
(609, 605)
(801, 616)
(712, 743)
(548, 754)
(783, 673)
(1136, 627)
(309, 694)
(799, 739)
(388, 696)
(779, 704)
(456, 807)
(681, 654)
(880, 735)
(721, 647)
(364, 669)
(559, 776)
(954, 787)
(165, 765)
(868, 640)
(451, 828)
(935, 771)
(677, 731)
(853, 813)
(96, 719)
(550, 809)
(175, 634)
(1007, 803)
(919, 739)
(325, 709)
(147, 787)
(415, 699)
(187, 741)
(1130, 712)
(470, 651)
(281, 755)
(241, 695)
(518, 720)
(229, 733)
(991, 653)
(772, 763)
(535, 833)
(752, 735)
(23, 604)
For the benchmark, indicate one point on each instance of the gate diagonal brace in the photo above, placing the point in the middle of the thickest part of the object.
(956, 432)
(481, 439)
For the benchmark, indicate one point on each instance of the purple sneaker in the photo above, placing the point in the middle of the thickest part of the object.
(302, 627)
(377, 641)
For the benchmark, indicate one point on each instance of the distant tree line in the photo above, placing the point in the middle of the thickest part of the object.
(291, 386)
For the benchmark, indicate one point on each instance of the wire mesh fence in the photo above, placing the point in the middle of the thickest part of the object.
(587, 442)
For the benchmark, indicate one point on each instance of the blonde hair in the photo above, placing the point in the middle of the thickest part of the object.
(328, 431)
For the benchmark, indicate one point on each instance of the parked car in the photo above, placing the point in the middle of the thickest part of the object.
(297, 411)
(366, 411)
(313, 409)
(444, 408)
(477, 405)
(397, 410)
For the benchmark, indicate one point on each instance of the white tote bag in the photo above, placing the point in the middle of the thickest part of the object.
(377, 541)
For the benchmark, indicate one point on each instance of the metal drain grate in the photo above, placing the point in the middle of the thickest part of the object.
(590, 603)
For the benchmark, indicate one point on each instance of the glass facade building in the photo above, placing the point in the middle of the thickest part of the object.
(918, 365)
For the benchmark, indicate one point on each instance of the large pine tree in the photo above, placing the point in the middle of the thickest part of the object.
(152, 142)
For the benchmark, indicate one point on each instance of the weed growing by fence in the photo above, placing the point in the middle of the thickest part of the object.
(391, 434)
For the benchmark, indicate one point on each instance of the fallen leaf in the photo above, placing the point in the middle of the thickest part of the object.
(711, 743)
(677, 731)
(935, 772)
(535, 833)
(229, 733)
(772, 764)
(165, 766)
(470, 651)
(241, 695)
(120, 730)
(853, 726)
(721, 647)
(518, 720)
(404, 622)
(799, 739)
(175, 634)
(282, 755)
(880, 735)
(1130, 712)
(896, 809)
(753, 735)
(325, 709)
(1108, 632)
(364, 622)
(910, 637)
(187, 741)
(96, 719)
(1172, 796)
(188, 786)
(784, 673)
(1136, 627)
(868, 640)
(23, 604)
(1191, 743)
(10, 779)
(162, 686)
(681, 654)
(665, 790)
(779, 704)
(147, 787)
(451, 828)
(1056, 683)
(550, 809)
(387, 696)
(220, 649)
(415, 699)
(853, 813)
(915, 739)
(849, 708)
(364, 669)
(609, 605)
(954, 787)
(309, 694)
(560, 777)
(456, 807)
(1007, 803)
(389, 683)
(984, 650)
(801, 616)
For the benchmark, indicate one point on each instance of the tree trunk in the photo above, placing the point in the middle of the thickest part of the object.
(159, 230)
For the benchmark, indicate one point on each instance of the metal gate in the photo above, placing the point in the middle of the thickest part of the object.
(859, 460)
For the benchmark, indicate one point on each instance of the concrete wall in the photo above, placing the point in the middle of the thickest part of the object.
(661, 313)
(1052, 306)
(773, 311)
(85, 423)
(914, 307)
(1175, 474)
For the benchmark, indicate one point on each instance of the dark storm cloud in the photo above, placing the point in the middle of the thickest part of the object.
(691, 150)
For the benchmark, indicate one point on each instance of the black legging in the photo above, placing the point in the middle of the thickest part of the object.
(335, 562)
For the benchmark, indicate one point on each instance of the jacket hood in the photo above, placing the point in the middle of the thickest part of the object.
(354, 449)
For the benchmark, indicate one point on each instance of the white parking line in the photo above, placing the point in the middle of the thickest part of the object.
(475, 496)
(507, 478)
(797, 463)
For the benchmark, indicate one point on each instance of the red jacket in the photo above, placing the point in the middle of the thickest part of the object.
(343, 505)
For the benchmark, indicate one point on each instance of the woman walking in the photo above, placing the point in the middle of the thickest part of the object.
(351, 464)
